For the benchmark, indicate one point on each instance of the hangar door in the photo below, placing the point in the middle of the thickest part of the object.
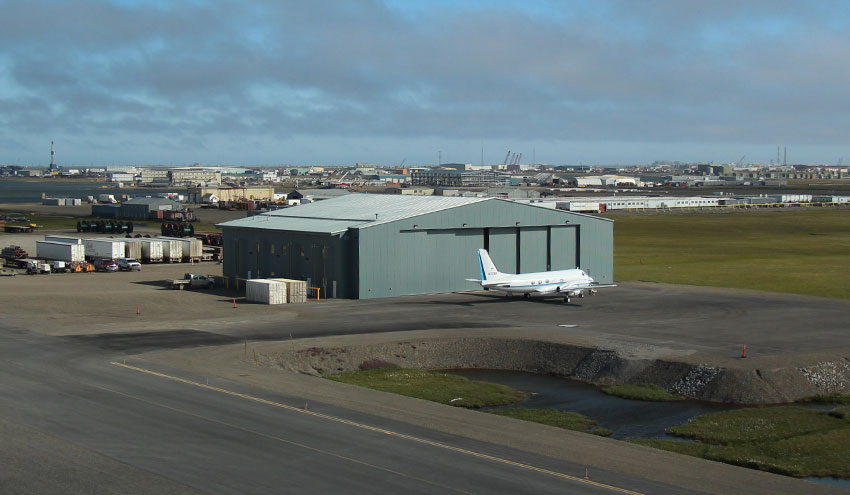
(533, 249)
(563, 247)
(501, 244)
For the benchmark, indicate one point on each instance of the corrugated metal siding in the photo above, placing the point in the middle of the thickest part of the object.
(533, 247)
(503, 248)
(563, 248)
(596, 250)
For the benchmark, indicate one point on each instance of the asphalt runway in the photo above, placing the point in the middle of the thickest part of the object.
(62, 402)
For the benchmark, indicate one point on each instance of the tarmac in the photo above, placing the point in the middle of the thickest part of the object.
(61, 331)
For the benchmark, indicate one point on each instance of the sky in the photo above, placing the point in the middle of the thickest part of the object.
(297, 82)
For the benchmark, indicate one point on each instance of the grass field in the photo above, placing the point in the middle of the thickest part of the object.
(640, 391)
(786, 440)
(553, 417)
(805, 251)
(437, 387)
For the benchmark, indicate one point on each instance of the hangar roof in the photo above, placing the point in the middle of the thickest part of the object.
(352, 211)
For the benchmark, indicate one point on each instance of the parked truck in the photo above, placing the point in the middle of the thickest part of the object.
(192, 281)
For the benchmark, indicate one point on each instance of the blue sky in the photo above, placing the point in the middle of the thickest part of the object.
(293, 82)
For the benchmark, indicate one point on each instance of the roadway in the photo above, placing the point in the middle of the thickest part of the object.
(73, 422)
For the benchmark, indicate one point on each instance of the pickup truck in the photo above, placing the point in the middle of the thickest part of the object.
(192, 281)
(129, 264)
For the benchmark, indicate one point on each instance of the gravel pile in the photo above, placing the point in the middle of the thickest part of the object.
(591, 366)
(829, 376)
(692, 384)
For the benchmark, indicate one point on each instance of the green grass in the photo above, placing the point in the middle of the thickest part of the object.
(800, 251)
(50, 222)
(437, 387)
(640, 391)
(834, 398)
(553, 417)
(786, 440)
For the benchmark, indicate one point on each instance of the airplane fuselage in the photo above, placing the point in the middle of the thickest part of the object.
(539, 282)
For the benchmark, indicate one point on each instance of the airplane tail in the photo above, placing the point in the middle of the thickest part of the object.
(488, 269)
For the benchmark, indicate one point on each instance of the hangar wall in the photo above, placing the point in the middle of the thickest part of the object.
(436, 252)
(320, 259)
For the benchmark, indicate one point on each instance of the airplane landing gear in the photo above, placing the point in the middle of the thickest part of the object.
(526, 295)
(567, 299)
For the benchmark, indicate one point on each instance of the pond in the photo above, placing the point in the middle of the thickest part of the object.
(626, 418)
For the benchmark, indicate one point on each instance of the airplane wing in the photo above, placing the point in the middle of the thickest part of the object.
(580, 286)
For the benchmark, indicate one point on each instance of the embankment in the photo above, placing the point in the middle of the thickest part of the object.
(776, 379)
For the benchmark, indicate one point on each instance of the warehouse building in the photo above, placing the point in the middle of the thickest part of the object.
(369, 245)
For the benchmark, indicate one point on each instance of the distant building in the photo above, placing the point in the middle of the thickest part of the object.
(121, 177)
(150, 176)
(458, 178)
(192, 176)
(233, 194)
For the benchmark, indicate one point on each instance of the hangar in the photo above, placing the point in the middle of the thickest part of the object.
(365, 246)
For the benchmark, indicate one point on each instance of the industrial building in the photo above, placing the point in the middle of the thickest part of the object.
(459, 178)
(368, 245)
(199, 195)
(136, 208)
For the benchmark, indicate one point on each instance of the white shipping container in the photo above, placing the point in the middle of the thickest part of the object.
(106, 198)
(104, 248)
(265, 291)
(60, 251)
(296, 290)
(151, 250)
(66, 240)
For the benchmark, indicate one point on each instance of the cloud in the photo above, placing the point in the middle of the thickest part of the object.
(212, 74)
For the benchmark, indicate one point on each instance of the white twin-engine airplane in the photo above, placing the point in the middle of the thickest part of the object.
(566, 283)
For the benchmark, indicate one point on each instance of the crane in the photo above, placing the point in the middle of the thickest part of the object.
(506, 158)
(741, 161)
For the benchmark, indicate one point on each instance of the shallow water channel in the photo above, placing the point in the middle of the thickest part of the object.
(626, 418)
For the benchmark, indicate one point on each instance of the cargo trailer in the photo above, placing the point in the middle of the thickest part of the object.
(66, 240)
(172, 249)
(151, 250)
(60, 251)
(104, 248)
(132, 249)
(191, 248)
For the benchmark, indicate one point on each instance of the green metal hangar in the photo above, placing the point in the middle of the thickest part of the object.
(372, 245)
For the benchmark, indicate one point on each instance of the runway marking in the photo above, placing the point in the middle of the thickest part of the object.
(380, 430)
(568, 326)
